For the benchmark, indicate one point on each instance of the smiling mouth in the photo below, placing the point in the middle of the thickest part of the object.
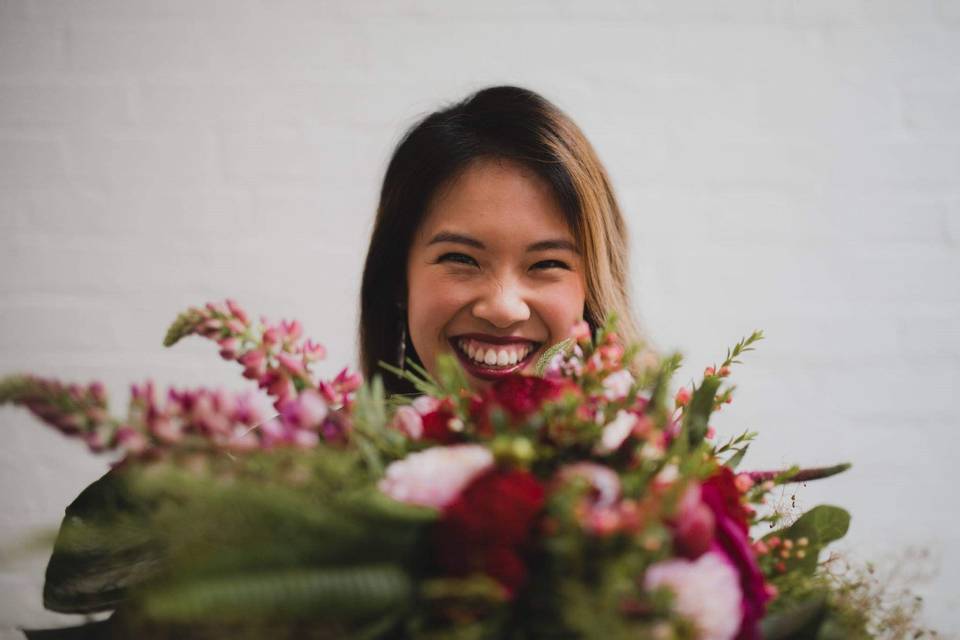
(490, 358)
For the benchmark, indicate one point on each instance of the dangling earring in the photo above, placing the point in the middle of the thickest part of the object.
(402, 349)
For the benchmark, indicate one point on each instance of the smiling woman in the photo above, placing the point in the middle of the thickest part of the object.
(497, 231)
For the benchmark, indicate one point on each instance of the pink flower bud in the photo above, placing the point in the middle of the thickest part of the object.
(210, 328)
(580, 332)
(291, 330)
(216, 308)
(743, 482)
(254, 363)
(313, 351)
(305, 439)
(306, 411)
(271, 335)
(292, 364)
(131, 440)
(236, 327)
(407, 421)
(425, 404)
(229, 348)
(347, 382)
(683, 397)
(709, 371)
(237, 311)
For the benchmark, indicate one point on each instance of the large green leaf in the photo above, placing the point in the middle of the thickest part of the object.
(818, 527)
(90, 571)
(801, 620)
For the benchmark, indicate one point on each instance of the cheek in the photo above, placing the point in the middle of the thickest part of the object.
(563, 307)
(432, 302)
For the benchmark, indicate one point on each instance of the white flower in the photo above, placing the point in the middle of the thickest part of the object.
(706, 592)
(602, 479)
(435, 477)
(617, 385)
(616, 431)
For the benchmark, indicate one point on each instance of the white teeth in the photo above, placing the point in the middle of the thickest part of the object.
(491, 357)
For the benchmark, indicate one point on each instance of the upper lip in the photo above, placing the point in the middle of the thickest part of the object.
(483, 337)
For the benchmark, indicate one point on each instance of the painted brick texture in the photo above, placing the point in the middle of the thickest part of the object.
(786, 165)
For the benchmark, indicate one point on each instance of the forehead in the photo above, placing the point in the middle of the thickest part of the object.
(493, 196)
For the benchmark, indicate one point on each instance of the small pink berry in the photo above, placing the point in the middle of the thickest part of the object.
(743, 482)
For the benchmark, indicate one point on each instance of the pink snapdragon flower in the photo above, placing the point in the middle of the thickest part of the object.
(435, 477)
(706, 592)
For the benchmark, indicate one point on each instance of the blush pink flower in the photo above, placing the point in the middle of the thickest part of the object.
(617, 385)
(603, 480)
(616, 431)
(408, 422)
(706, 592)
(435, 477)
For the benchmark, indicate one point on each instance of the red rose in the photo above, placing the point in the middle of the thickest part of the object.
(436, 425)
(520, 396)
(720, 494)
(487, 526)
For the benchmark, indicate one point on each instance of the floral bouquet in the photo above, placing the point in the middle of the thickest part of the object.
(589, 501)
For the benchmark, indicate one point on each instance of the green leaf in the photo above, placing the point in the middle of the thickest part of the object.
(734, 461)
(549, 353)
(698, 412)
(90, 571)
(820, 526)
(800, 620)
(340, 593)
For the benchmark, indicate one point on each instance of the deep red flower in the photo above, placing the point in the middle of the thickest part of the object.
(487, 527)
(436, 425)
(720, 494)
(520, 396)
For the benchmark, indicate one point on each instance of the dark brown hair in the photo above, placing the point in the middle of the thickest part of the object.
(498, 122)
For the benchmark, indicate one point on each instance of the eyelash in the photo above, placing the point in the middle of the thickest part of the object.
(462, 258)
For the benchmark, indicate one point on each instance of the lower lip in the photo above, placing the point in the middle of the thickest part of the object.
(485, 373)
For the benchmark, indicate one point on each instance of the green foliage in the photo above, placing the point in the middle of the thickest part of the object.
(370, 432)
(697, 414)
(548, 354)
(740, 348)
(819, 526)
(350, 593)
(184, 325)
(105, 547)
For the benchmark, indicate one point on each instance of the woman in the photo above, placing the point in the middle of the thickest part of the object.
(497, 230)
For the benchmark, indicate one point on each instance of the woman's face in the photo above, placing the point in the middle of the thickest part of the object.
(493, 275)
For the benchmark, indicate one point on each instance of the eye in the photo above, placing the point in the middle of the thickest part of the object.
(551, 264)
(460, 258)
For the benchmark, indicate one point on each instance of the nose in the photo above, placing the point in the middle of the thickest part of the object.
(502, 304)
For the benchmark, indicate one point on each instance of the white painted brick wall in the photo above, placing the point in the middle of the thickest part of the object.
(792, 165)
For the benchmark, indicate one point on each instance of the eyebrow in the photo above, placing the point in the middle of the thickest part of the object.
(543, 245)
